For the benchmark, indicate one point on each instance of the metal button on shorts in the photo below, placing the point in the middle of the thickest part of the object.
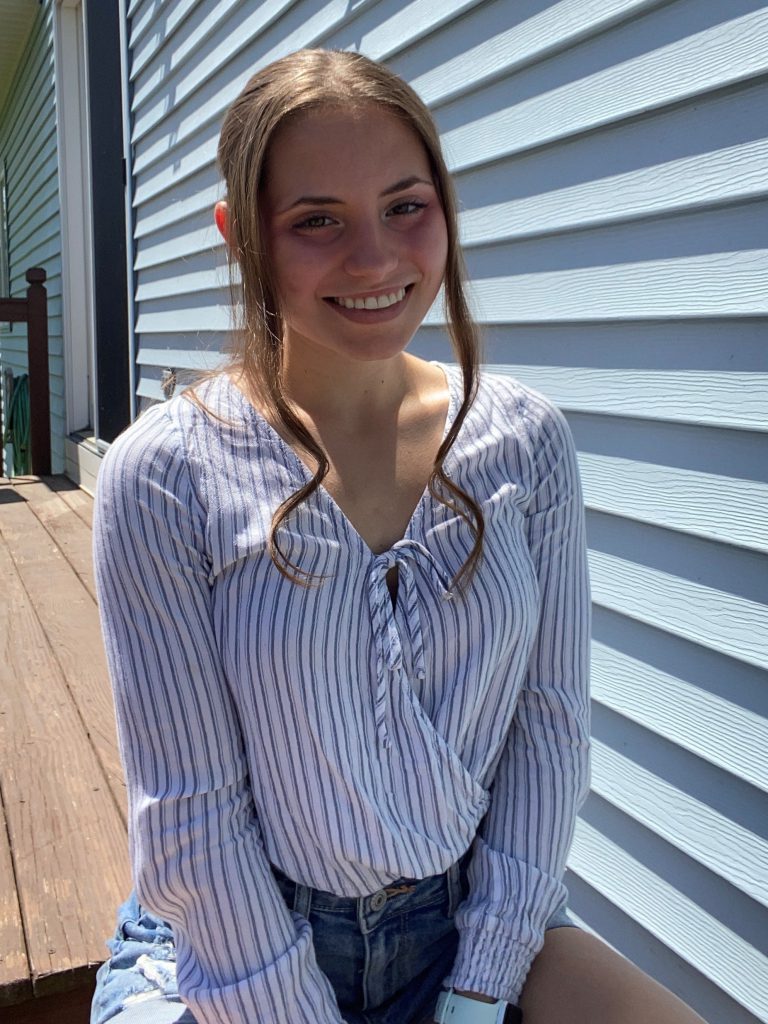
(378, 900)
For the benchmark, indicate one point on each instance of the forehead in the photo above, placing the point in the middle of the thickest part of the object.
(324, 151)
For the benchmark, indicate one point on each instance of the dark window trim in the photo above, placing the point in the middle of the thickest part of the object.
(110, 285)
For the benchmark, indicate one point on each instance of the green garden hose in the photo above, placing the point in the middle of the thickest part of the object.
(17, 425)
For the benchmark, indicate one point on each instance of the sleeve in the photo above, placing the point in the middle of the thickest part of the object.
(542, 778)
(195, 843)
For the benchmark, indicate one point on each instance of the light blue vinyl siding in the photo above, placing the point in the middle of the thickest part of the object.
(611, 162)
(28, 144)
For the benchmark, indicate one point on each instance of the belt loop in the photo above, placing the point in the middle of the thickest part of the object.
(302, 900)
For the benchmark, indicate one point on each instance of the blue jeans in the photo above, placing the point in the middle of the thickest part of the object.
(385, 955)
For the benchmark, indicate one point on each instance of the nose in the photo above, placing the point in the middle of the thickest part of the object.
(372, 252)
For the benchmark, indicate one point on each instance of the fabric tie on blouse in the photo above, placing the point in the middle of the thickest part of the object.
(389, 650)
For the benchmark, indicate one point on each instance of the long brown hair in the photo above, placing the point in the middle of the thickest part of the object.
(301, 81)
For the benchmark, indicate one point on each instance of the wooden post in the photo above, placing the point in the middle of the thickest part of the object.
(39, 386)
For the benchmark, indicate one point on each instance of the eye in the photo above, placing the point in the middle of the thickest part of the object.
(315, 222)
(407, 208)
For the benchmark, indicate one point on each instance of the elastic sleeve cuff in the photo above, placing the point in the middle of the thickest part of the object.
(489, 961)
(501, 924)
(290, 989)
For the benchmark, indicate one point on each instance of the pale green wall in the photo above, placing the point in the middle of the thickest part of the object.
(28, 147)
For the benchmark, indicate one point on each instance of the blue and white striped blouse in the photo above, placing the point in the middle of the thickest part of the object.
(347, 741)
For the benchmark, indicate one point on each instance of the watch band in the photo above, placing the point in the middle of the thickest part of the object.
(455, 1009)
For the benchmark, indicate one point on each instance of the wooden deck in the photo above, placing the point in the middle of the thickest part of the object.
(63, 848)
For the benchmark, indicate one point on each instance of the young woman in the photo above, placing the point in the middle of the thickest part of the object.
(345, 605)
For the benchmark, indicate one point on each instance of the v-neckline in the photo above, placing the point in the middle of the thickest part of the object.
(272, 435)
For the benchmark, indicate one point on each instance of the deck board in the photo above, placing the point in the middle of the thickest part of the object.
(15, 984)
(69, 526)
(60, 779)
(52, 546)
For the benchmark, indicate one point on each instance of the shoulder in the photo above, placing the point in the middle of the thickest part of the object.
(149, 442)
(166, 432)
(522, 411)
(157, 453)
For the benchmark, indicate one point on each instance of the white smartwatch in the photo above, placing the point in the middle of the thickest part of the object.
(455, 1009)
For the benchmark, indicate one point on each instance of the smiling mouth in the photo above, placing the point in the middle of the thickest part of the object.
(372, 301)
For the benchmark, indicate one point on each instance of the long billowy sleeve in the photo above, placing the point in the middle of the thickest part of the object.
(542, 777)
(196, 848)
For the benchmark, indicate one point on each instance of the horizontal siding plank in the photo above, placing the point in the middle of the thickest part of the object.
(709, 725)
(187, 320)
(180, 246)
(724, 55)
(181, 284)
(734, 625)
(717, 951)
(711, 285)
(727, 344)
(134, 6)
(379, 36)
(546, 32)
(182, 357)
(150, 390)
(733, 174)
(734, 400)
(699, 831)
(705, 504)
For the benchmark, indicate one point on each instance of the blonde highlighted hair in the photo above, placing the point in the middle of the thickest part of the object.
(300, 82)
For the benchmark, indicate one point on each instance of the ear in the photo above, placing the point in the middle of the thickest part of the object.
(221, 216)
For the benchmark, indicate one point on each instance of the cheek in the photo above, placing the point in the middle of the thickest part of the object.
(295, 271)
(432, 241)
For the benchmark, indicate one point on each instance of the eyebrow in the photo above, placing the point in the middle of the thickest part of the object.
(399, 186)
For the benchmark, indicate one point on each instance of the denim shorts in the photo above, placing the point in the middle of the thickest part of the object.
(386, 954)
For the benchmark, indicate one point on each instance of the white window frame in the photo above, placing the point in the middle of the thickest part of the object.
(5, 252)
(76, 216)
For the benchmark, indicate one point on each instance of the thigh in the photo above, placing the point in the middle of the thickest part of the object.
(578, 979)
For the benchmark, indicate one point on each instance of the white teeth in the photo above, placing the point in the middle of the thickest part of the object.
(373, 301)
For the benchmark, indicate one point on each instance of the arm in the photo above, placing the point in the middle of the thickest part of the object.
(542, 777)
(196, 847)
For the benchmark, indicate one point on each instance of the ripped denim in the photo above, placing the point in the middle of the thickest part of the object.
(139, 979)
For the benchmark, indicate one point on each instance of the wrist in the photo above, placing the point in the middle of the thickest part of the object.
(455, 1007)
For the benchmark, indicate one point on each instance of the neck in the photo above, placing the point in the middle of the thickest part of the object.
(351, 393)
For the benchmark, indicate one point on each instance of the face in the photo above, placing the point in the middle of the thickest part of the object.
(355, 232)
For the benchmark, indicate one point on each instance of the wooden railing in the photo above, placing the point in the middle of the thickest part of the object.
(33, 310)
